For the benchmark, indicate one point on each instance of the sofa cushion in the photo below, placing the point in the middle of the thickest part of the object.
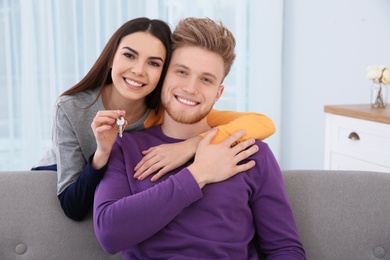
(341, 214)
(33, 225)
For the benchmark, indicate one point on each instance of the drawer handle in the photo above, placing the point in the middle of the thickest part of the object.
(354, 136)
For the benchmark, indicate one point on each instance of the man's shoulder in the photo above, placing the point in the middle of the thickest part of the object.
(153, 131)
(264, 151)
(140, 139)
(263, 146)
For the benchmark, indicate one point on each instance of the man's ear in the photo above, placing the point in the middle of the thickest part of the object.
(219, 93)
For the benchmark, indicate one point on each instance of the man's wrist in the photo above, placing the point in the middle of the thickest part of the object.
(197, 176)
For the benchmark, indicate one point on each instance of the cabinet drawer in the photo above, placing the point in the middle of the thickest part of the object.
(365, 140)
(343, 162)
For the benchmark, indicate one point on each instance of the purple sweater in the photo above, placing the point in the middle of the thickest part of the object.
(173, 218)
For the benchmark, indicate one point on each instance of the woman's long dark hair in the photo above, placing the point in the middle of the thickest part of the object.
(100, 73)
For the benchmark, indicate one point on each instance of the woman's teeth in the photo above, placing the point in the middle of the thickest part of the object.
(133, 83)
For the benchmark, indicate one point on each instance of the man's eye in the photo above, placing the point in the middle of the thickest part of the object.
(207, 80)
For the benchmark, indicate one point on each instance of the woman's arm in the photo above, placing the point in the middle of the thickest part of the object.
(77, 198)
(76, 178)
(257, 126)
(73, 141)
(164, 158)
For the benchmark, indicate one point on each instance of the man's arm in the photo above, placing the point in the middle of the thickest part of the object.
(123, 217)
(274, 219)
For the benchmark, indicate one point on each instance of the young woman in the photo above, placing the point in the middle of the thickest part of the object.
(124, 82)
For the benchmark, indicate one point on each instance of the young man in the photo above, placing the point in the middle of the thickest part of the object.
(212, 207)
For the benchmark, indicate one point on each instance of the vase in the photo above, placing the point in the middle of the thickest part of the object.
(378, 95)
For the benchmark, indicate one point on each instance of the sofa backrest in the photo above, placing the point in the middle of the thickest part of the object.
(33, 225)
(341, 215)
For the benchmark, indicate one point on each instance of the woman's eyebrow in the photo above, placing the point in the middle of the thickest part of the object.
(130, 49)
(136, 52)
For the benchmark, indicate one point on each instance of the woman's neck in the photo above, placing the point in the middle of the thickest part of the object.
(135, 109)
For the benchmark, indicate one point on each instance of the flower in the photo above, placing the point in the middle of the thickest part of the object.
(379, 74)
(386, 76)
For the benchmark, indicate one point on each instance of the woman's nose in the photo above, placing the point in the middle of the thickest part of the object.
(137, 68)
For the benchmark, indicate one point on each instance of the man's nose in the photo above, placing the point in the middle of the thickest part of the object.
(191, 85)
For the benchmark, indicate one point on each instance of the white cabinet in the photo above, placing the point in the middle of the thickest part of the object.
(357, 138)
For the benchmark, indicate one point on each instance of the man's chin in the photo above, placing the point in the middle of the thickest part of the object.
(182, 118)
(187, 120)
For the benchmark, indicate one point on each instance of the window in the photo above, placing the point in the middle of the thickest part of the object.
(48, 46)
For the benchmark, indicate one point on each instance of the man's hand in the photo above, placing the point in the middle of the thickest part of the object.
(218, 162)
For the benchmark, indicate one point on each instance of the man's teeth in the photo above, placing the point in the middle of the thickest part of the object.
(133, 83)
(187, 102)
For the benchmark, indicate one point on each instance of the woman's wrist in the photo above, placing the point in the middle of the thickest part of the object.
(99, 160)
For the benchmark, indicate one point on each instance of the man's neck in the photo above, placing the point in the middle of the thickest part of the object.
(177, 130)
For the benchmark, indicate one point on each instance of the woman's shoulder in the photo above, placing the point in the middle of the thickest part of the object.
(81, 99)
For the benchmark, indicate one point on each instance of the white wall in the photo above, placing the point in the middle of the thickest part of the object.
(327, 46)
(264, 45)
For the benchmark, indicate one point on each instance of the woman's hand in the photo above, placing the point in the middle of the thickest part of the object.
(103, 127)
(218, 162)
(165, 158)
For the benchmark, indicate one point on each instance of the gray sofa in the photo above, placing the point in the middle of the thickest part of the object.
(341, 215)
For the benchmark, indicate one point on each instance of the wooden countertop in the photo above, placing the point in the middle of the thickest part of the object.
(361, 111)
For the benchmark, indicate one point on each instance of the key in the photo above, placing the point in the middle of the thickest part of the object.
(120, 122)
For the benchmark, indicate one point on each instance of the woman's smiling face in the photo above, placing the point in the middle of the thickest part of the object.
(137, 65)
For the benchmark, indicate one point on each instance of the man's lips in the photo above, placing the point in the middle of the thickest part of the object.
(187, 101)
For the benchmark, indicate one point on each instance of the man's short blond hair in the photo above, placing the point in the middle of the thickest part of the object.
(208, 34)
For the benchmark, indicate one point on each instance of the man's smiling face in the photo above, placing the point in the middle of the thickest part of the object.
(192, 84)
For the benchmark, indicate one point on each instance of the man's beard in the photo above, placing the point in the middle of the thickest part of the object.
(182, 117)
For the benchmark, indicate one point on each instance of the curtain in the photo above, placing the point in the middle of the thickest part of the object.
(49, 45)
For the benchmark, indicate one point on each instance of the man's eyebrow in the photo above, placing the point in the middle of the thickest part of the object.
(210, 75)
(137, 53)
(178, 65)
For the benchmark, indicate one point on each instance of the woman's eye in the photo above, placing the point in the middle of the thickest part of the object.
(154, 64)
(129, 55)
